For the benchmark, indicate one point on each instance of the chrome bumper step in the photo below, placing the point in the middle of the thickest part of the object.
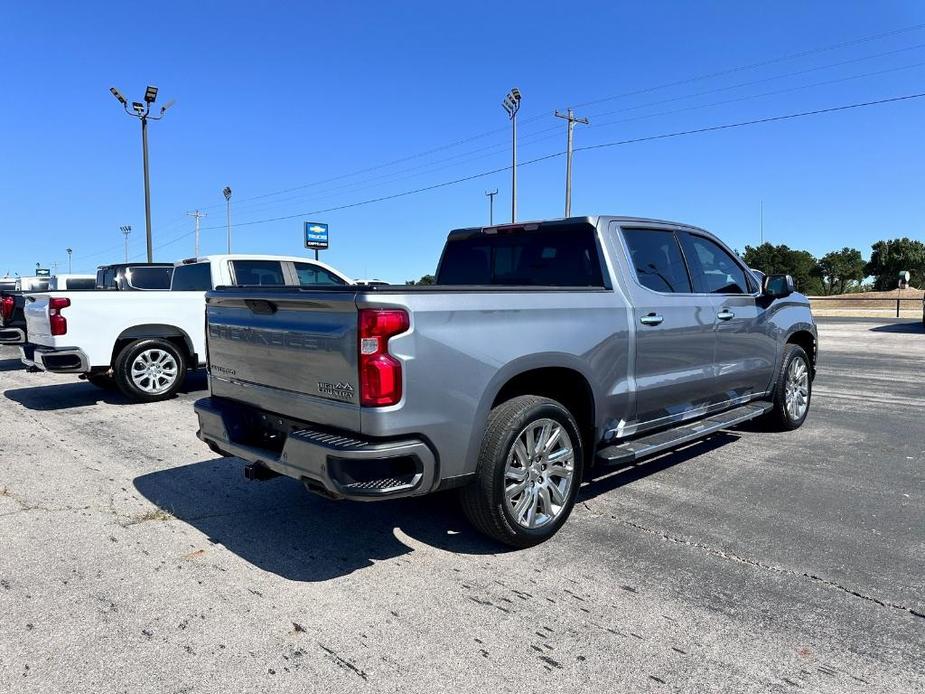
(671, 438)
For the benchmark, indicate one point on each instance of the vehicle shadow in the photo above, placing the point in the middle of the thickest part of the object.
(279, 527)
(910, 328)
(62, 396)
(606, 478)
(11, 365)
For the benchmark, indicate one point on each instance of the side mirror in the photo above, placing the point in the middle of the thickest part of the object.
(778, 286)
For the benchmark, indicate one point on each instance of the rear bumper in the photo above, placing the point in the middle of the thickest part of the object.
(12, 336)
(336, 464)
(62, 360)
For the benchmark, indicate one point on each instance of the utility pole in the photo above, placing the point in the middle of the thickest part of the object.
(491, 205)
(511, 104)
(197, 214)
(142, 112)
(572, 119)
(226, 191)
(126, 230)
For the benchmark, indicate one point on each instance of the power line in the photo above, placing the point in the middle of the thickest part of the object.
(771, 119)
(697, 78)
(763, 63)
(662, 136)
(539, 136)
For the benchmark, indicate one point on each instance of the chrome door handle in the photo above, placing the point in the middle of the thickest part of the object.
(725, 314)
(651, 319)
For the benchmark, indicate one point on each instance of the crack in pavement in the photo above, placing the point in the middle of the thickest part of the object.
(729, 556)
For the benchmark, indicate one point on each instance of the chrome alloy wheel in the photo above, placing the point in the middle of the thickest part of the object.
(539, 472)
(154, 371)
(797, 389)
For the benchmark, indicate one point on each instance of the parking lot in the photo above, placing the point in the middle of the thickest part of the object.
(132, 559)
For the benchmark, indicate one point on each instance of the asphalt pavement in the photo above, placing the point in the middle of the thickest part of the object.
(132, 559)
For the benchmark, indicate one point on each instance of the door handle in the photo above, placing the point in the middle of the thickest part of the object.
(725, 314)
(651, 319)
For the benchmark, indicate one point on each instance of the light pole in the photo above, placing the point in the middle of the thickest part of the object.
(142, 112)
(69, 251)
(491, 205)
(511, 104)
(126, 230)
(572, 119)
(227, 193)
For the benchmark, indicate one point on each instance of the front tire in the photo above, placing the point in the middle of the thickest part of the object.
(793, 390)
(150, 370)
(529, 470)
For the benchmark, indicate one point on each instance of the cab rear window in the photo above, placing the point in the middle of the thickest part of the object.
(552, 256)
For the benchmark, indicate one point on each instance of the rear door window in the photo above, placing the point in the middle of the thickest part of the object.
(713, 269)
(261, 273)
(313, 276)
(657, 260)
(196, 277)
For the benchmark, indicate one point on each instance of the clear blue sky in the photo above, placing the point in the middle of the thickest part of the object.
(274, 96)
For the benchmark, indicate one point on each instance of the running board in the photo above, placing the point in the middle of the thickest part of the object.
(685, 433)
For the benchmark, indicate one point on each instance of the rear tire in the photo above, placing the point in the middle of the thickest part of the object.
(529, 470)
(793, 391)
(150, 370)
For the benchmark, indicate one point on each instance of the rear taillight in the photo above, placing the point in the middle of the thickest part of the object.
(6, 307)
(56, 320)
(380, 372)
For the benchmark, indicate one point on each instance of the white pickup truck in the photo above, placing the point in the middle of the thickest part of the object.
(144, 342)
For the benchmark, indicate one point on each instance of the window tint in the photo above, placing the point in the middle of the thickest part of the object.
(149, 277)
(192, 278)
(312, 275)
(564, 256)
(657, 259)
(713, 269)
(264, 273)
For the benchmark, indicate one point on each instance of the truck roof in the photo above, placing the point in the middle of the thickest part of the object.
(117, 266)
(593, 219)
(217, 258)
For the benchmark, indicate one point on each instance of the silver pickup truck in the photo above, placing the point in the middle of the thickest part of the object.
(543, 349)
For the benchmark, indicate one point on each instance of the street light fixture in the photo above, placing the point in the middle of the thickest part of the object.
(69, 251)
(226, 191)
(511, 104)
(142, 112)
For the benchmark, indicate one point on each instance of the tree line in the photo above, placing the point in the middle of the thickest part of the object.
(843, 271)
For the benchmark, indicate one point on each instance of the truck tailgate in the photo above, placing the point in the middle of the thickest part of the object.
(287, 351)
(35, 312)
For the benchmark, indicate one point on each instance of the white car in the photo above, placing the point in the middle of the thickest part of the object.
(144, 342)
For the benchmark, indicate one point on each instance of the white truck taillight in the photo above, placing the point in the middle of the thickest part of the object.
(57, 322)
(380, 372)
